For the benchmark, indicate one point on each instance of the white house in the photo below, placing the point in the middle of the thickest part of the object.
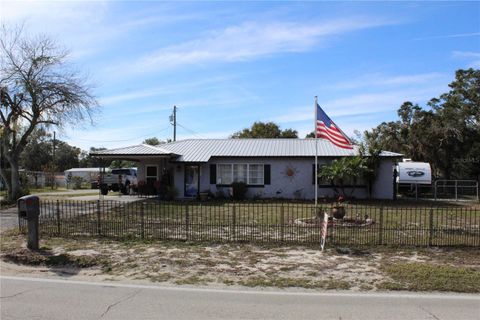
(272, 168)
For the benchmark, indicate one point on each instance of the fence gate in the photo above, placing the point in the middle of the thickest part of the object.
(456, 189)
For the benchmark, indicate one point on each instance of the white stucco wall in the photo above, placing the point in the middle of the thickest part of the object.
(300, 184)
(282, 186)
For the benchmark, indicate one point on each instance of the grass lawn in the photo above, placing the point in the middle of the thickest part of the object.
(251, 265)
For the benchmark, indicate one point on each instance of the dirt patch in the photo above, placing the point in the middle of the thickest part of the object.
(220, 265)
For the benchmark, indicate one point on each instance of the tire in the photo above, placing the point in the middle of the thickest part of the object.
(104, 191)
(126, 188)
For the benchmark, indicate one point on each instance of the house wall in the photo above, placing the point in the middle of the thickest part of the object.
(143, 163)
(300, 185)
(282, 186)
(383, 187)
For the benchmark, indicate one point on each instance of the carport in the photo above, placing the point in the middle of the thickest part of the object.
(154, 171)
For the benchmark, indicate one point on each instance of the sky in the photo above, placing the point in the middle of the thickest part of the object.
(227, 64)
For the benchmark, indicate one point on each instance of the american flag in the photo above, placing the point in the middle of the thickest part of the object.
(326, 129)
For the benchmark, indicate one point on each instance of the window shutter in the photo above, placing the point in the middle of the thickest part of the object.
(213, 174)
(266, 174)
(313, 173)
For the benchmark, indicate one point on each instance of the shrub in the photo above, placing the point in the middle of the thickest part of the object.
(171, 193)
(239, 190)
(76, 182)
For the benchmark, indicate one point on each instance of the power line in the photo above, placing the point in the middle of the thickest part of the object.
(191, 131)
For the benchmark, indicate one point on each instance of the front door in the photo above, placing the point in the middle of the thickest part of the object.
(191, 181)
(151, 177)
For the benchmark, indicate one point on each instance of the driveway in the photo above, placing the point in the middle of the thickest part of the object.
(39, 298)
(8, 219)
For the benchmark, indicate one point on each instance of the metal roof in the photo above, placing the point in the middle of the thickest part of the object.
(201, 150)
(141, 149)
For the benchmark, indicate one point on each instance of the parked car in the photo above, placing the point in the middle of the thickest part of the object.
(122, 180)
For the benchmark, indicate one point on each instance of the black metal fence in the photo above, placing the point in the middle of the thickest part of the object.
(265, 222)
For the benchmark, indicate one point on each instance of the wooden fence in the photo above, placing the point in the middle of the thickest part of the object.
(265, 222)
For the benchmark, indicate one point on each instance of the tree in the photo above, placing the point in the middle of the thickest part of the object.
(447, 134)
(344, 171)
(154, 141)
(38, 154)
(265, 130)
(38, 89)
(87, 161)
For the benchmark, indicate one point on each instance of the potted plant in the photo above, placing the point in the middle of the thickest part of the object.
(204, 195)
(338, 208)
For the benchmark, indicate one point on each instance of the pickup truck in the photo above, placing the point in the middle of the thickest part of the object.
(122, 180)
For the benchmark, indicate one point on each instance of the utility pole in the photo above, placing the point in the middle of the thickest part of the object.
(173, 121)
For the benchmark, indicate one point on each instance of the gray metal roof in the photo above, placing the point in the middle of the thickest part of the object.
(201, 150)
(141, 149)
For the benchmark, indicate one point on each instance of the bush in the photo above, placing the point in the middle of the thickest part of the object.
(239, 190)
(77, 182)
(171, 193)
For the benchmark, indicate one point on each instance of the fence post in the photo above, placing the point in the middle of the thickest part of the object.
(233, 232)
(456, 190)
(99, 231)
(142, 220)
(187, 222)
(380, 230)
(282, 223)
(430, 224)
(57, 212)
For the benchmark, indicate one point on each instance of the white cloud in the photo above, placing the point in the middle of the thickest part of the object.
(248, 41)
(474, 57)
(380, 80)
(457, 35)
(86, 27)
(362, 104)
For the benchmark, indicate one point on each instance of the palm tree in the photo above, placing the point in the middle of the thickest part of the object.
(345, 169)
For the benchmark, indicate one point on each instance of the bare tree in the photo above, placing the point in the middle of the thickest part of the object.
(38, 89)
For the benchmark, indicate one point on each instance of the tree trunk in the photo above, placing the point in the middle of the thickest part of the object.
(15, 186)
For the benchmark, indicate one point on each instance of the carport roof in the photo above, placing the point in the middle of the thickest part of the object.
(201, 150)
(138, 150)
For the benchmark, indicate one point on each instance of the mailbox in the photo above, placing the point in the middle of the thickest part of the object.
(28, 207)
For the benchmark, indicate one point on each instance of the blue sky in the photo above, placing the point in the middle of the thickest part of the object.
(228, 64)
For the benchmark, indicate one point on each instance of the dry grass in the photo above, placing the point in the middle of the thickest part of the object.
(219, 265)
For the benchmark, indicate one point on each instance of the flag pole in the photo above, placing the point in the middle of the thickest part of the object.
(316, 156)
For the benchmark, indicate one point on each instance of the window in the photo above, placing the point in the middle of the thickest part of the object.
(224, 172)
(252, 174)
(151, 174)
(240, 172)
(255, 174)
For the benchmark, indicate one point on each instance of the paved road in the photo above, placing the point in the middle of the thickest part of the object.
(8, 219)
(30, 298)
